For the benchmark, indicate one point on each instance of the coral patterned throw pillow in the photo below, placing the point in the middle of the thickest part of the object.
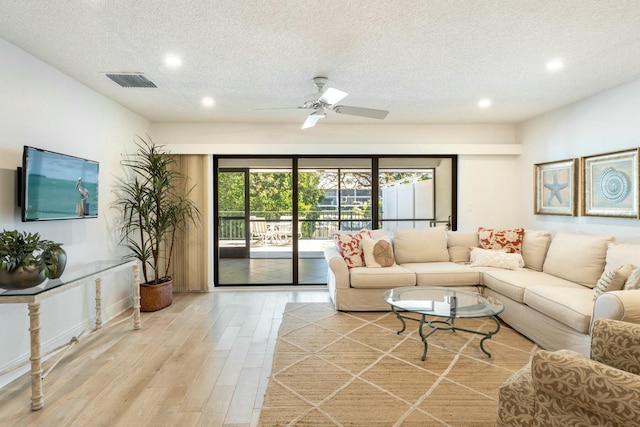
(350, 247)
(509, 241)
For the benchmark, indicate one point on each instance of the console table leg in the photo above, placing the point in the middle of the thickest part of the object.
(98, 303)
(137, 323)
(37, 397)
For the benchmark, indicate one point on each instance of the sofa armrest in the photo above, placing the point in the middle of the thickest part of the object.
(618, 305)
(616, 344)
(337, 267)
(571, 387)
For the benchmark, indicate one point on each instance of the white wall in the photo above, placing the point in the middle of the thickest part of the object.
(487, 187)
(607, 122)
(44, 108)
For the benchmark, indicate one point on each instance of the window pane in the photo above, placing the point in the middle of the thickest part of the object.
(407, 197)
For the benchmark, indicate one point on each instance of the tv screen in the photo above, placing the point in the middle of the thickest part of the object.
(58, 186)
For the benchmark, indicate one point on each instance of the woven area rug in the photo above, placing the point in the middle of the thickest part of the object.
(352, 369)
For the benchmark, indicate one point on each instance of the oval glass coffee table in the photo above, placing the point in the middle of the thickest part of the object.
(446, 305)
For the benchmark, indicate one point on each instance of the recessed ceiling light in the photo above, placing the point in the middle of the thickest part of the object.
(555, 65)
(172, 61)
(208, 101)
(484, 103)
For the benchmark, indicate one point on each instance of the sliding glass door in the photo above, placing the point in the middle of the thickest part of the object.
(333, 194)
(276, 215)
(254, 216)
(414, 192)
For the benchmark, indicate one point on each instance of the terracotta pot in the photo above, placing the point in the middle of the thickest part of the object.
(156, 297)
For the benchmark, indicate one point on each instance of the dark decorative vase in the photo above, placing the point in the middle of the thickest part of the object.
(156, 297)
(62, 263)
(21, 278)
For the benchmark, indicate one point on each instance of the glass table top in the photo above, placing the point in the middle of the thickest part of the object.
(70, 275)
(442, 302)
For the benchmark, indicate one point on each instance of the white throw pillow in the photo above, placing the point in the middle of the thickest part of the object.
(612, 280)
(378, 252)
(490, 258)
(633, 281)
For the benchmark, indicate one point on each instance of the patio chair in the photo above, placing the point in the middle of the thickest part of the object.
(258, 229)
(285, 228)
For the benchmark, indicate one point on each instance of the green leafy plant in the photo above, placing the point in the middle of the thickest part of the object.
(22, 249)
(153, 199)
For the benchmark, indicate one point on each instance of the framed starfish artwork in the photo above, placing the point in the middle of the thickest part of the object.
(610, 184)
(555, 188)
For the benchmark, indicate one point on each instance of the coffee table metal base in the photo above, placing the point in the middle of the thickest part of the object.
(444, 325)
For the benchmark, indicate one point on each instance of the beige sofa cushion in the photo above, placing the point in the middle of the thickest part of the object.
(444, 274)
(381, 278)
(379, 232)
(512, 283)
(571, 305)
(420, 245)
(460, 243)
(622, 254)
(579, 258)
(535, 244)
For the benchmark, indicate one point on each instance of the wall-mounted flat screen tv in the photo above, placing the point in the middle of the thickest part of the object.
(57, 186)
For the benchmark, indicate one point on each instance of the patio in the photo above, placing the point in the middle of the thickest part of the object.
(271, 264)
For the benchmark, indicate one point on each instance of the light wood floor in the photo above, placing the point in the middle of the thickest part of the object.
(204, 361)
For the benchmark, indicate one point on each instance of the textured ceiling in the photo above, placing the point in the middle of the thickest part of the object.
(424, 61)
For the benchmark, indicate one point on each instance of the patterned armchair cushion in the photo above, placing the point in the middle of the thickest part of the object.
(616, 344)
(573, 390)
(516, 400)
(564, 388)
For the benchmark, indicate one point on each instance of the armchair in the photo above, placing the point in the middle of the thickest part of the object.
(564, 388)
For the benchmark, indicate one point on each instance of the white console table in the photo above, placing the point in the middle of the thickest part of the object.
(70, 279)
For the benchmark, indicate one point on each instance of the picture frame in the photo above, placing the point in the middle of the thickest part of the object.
(555, 189)
(610, 184)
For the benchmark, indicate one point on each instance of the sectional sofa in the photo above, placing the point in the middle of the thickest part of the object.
(548, 295)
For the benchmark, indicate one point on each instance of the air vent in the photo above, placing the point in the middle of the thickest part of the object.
(131, 80)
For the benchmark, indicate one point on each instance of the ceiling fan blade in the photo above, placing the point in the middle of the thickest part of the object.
(331, 96)
(311, 121)
(359, 111)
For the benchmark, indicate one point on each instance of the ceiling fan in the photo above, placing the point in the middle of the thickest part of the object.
(326, 100)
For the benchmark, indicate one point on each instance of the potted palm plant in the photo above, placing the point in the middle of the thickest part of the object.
(26, 260)
(153, 198)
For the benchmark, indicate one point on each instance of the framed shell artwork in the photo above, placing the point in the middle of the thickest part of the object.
(610, 184)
